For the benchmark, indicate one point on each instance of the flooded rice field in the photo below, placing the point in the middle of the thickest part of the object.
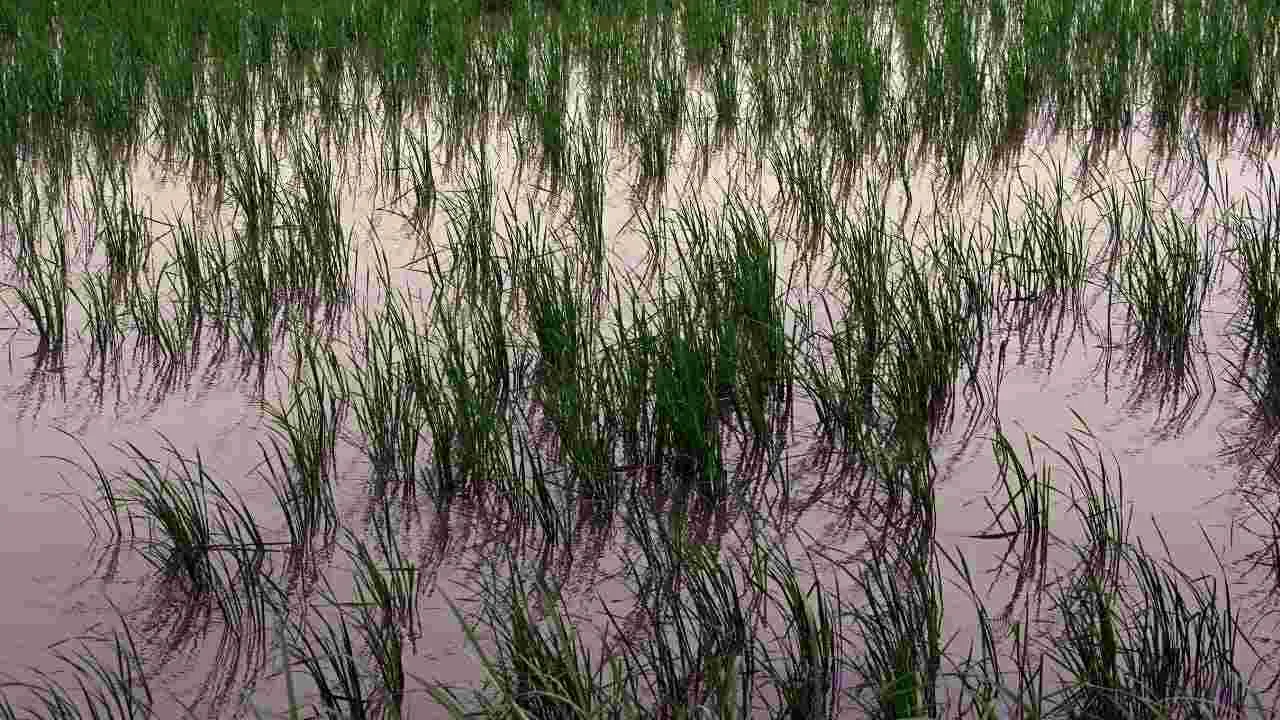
(760, 360)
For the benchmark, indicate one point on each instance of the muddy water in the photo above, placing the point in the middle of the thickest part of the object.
(1180, 478)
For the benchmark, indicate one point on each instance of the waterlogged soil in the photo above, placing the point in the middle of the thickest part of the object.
(1178, 464)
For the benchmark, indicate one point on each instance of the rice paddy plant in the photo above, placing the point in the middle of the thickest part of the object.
(389, 415)
(465, 406)
(121, 226)
(814, 645)
(113, 689)
(324, 648)
(541, 667)
(982, 682)
(43, 294)
(163, 335)
(860, 65)
(762, 106)
(252, 183)
(955, 116)
(1165, 276)
(20, 206)
(1043, 254)
(299, 461)
(899, 628)
(686, 407)
(658, 386)
(1255, 229)
(653, 155)
(178, 513)
(1056, 61)
(750, 274)
(547, 102)
(471, 230)
(935, 324)
(212, 560)
(962, 256)
(255, 304)
(422, 175)
(707, 32)
(1138, 638)
(588, 180)
(728, 284)
(1022, 520)
(193, 274)
(628, 363)
(210, 256)
(694, 649)
(107, 504)
(804, 175)
(384, 606)
(727, 101)
(844, 387)
(1182, 645)
(561, 315)
(317, 246)
(1098, 494)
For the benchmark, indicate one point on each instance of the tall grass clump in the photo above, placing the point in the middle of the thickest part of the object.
(96, 299)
